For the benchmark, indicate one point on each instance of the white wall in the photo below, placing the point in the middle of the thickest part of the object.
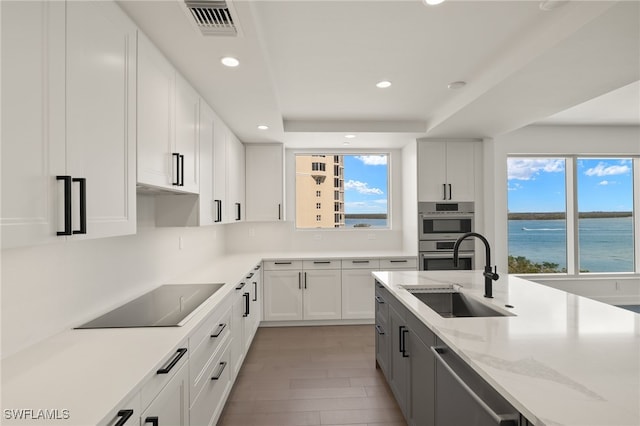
(282, 236)
(532, 140)
(49, 288)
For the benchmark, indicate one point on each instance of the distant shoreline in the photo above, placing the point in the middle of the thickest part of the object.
(365, 216)
(561, 215)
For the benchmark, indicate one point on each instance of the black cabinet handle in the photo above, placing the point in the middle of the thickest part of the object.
(450, 194)
(223, 364)
(305, 280)
(124, 416)
(177, 175)
(67, 205)
(249, 276)
(321, 262)
(403, 341)
(399, 261)
(283, 263)
(299, 280)
(240, 286)
(246, 304)
(379, 329)
(179, 354)
(279, 211)
(218, 210)
(218, 332)
(83, 205)
(359, 261)
(238, 211)
(380, 300)
(153, 420)
(255, 291)
(181, 170)
(379, 285)
(444, 191)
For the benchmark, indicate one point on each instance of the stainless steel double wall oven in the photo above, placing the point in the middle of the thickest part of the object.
(440, 224)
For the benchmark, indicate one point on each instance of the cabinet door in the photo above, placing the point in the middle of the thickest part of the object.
(421, 409)
(282, 295)
(101, 115)
(265, 182)
(206, 123)
(33, 134)
(461, 170)
(399, 365)
(432, 171)
(220, 200)
(235, 179)
(156, 79)
(238, 330)
(322, 295)
(358, 292)
(171, 406)
(255, 291)
(383, 345)
(186, 142)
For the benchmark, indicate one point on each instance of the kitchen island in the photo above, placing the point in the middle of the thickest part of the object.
(558, 358)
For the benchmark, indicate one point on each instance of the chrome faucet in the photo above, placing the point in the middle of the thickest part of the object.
(490, 274)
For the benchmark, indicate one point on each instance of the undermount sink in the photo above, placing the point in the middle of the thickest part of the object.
(452, 304)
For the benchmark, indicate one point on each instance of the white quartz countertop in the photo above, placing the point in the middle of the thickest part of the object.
(561, 359)
(91, 372)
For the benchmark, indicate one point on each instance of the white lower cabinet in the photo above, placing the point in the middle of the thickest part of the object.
(127, 414)
(358, 288)
(171, 405)
(208, 404)
(282, 290)
(322, 290)
(237, 328)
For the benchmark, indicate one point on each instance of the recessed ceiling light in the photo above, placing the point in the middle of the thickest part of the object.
(345, 143)
(433, 2)
(230, 61)
(263, 127)
(383, 84)
(349, 136)
(456, 85)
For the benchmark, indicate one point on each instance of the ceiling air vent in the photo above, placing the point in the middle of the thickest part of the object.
(212, 17)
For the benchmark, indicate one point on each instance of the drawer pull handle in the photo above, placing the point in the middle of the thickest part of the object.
(282, 263)
(399, 261)
(379, 329)
(359, 261)
(124, 416)
(249, 276)
(223, 364)
(179, 354)
(240, 286)
(153, 420)
(380, 300)
(321, 262)
(219, 331)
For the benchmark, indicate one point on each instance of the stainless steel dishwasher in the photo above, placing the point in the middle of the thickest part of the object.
(464, 398)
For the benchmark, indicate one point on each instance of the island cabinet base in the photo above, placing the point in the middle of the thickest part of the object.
(432, 385)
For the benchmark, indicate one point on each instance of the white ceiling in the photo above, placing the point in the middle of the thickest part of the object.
(308, 68)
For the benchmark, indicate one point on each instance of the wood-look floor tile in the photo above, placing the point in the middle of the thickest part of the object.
(337, 417)
(336, 382)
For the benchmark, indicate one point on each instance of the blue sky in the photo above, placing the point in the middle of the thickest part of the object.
(365, 183)
(537, 184)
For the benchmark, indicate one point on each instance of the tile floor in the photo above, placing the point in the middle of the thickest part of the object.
(311, 376)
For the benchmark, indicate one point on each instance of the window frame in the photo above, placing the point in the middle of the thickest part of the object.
(572, 214)
(293, 153)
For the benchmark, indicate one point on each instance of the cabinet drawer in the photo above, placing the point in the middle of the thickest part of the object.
(282, 265)
(382, 303)
(308, 265)
(165, 371)
(201, 358)
(373, 264)
(410, 263)
(209, 403)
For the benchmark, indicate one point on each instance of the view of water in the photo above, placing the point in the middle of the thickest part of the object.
(606, 244)
(374, 223)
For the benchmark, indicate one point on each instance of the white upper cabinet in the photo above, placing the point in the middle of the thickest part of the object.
(265, 182)
(219, 174)
(446, 170)
(235, 179)
(168, 155)
(69, 107)
(101, 114)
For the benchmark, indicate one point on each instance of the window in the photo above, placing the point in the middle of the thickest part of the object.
(547, 233)
(360, 192)
(318, 167)
(318, 193)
